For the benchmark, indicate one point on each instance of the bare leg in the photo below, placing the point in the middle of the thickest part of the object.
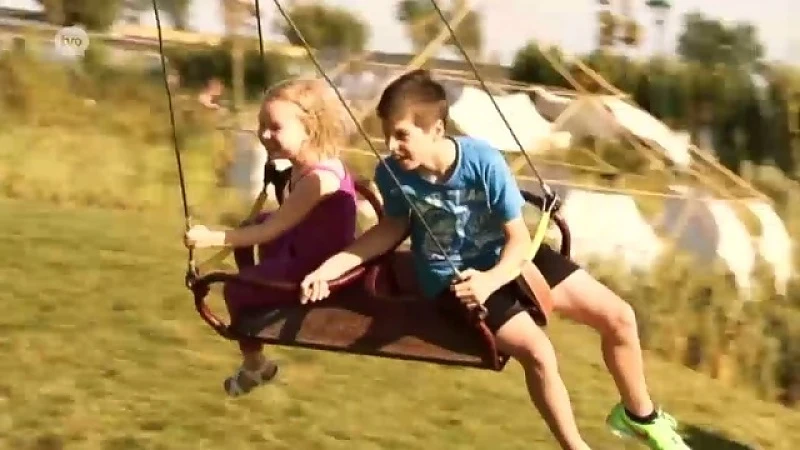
(256, 368)
(253, 357)
(524, 341)
(585, 300)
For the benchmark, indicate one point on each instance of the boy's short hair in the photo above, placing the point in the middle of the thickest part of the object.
(415, 92)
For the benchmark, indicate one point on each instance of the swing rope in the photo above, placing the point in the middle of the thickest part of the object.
(548, 207)
(480, 79)
(363, 133)
(551, 204)
(191, 269)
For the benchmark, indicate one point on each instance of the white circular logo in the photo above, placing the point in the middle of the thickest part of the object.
(71, 41)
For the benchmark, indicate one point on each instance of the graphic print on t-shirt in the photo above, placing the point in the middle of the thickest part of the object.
(466, 213)
(458, 219)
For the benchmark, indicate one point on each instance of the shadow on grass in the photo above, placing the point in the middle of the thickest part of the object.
(700, 439)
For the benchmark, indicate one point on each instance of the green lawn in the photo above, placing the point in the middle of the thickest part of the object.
(100, 348)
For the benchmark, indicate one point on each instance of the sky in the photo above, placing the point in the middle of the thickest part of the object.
(509, 24)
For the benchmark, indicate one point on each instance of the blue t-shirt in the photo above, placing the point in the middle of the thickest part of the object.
(466, 213)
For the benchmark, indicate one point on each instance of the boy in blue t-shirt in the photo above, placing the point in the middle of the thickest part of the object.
(465, 209)
(467, 196)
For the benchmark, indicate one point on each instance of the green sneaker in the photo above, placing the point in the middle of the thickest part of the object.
(660, 435)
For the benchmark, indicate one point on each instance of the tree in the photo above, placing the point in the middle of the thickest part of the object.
(101, 14)
(423, 24)
(176, 10)
(91, 14)
(531, 66)
(325, 28)
(710, 42)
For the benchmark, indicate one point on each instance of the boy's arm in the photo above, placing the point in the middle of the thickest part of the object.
(376, 241)
(514, 253)
(506, 202)
(381, 238)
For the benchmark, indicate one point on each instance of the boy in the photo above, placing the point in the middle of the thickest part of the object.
(466, 194)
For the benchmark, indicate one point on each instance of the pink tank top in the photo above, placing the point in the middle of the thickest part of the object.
(329, 227)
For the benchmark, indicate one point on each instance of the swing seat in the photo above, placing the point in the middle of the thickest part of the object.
(373, 316)
(376, 310)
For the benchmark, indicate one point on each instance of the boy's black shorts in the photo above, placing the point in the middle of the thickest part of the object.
(505, 302)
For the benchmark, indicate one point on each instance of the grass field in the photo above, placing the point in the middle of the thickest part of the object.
(100, 348)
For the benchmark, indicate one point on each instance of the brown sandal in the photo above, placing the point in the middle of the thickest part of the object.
(244, 380)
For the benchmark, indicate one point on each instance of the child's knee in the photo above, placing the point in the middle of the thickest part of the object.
(536, 358)
(621, 319)
(524, 341)
(540, 362)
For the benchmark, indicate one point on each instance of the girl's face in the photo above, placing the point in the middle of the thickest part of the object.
(281, 131)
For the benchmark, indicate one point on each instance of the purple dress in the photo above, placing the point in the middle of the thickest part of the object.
(325, 231)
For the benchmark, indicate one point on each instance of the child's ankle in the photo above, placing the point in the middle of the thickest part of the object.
(254, 362)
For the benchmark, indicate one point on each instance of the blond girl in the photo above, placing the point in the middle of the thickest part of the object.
(300, 121)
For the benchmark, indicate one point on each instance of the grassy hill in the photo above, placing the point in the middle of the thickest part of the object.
(101, 349)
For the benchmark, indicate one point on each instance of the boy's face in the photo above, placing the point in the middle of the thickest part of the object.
(410, 144)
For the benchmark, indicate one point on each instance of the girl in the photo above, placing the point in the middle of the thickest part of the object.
(298, 121)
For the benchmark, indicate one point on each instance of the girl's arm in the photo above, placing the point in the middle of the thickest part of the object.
(298, 204)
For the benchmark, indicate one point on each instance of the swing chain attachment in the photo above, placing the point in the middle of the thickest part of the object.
(552, 201)
(192, 274)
